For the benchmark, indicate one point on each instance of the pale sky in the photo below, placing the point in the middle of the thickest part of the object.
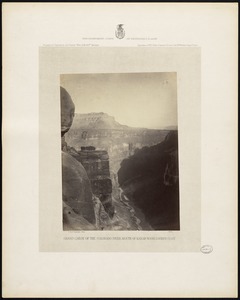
(146, 100)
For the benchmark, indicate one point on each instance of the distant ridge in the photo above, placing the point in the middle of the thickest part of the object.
(96, 120)
(171, 128)
(102, 120)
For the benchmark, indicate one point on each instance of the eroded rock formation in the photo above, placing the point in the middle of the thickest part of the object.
(147, 161)
(103, 132)
(80, 211)
(96, 164)
(76, 188)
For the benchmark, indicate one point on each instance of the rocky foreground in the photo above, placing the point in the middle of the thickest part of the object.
(89, 196)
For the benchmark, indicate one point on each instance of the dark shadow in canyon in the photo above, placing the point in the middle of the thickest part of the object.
(150, 179)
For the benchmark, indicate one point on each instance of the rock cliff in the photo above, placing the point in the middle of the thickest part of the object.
(104, 133)
(76, 188)
(96, 120)
(150, 179)
(133, 171)
(96, 164)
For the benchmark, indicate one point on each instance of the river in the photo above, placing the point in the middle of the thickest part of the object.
(127, 215)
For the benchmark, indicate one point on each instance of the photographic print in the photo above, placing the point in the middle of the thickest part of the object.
(136, 197)
(119, 142)
(120, 157)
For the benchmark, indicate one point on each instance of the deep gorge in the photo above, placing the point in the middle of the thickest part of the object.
(133, 171)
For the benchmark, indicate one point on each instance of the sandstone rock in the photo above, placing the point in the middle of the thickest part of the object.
(96, 164)
(103, 221)
(76, 188)
(102, 186)
(74, 221)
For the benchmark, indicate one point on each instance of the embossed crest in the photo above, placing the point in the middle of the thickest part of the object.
(120, 32)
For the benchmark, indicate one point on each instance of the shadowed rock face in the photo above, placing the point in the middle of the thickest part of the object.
(74, 221)
(76, 188)
(150, 179)
(67, 111)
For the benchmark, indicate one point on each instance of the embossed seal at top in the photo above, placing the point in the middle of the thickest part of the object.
(206, 249)
(120, 32)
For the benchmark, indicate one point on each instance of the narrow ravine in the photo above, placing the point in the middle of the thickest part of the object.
(127, 216)
(125, 202)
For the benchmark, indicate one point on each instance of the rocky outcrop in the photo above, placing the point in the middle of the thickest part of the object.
(170, 173)
(76, 188)
(143, 162)
(96, 164)
(74, 221)
(149, 178)
(81, 209)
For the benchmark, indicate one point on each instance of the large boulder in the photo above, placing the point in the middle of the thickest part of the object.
(76, 188)
(73, 221)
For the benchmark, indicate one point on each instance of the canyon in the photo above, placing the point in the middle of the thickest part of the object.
(133, 171)
(102, 132)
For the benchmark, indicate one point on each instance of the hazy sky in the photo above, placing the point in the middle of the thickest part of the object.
(146, 100)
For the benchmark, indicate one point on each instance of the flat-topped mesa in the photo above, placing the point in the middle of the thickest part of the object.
(96, 121)
(96, 164)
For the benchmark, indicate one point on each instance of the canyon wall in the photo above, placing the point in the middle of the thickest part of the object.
(104, 133)
(96, 164)
(137, 164)
(150, 179)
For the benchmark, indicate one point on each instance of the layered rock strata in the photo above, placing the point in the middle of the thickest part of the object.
(96, 164)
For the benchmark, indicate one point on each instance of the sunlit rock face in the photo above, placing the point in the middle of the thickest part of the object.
(150, 179)
(96, 164)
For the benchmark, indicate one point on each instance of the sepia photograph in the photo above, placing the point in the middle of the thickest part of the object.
(120, 150)
(119, 142)
(120, 156)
